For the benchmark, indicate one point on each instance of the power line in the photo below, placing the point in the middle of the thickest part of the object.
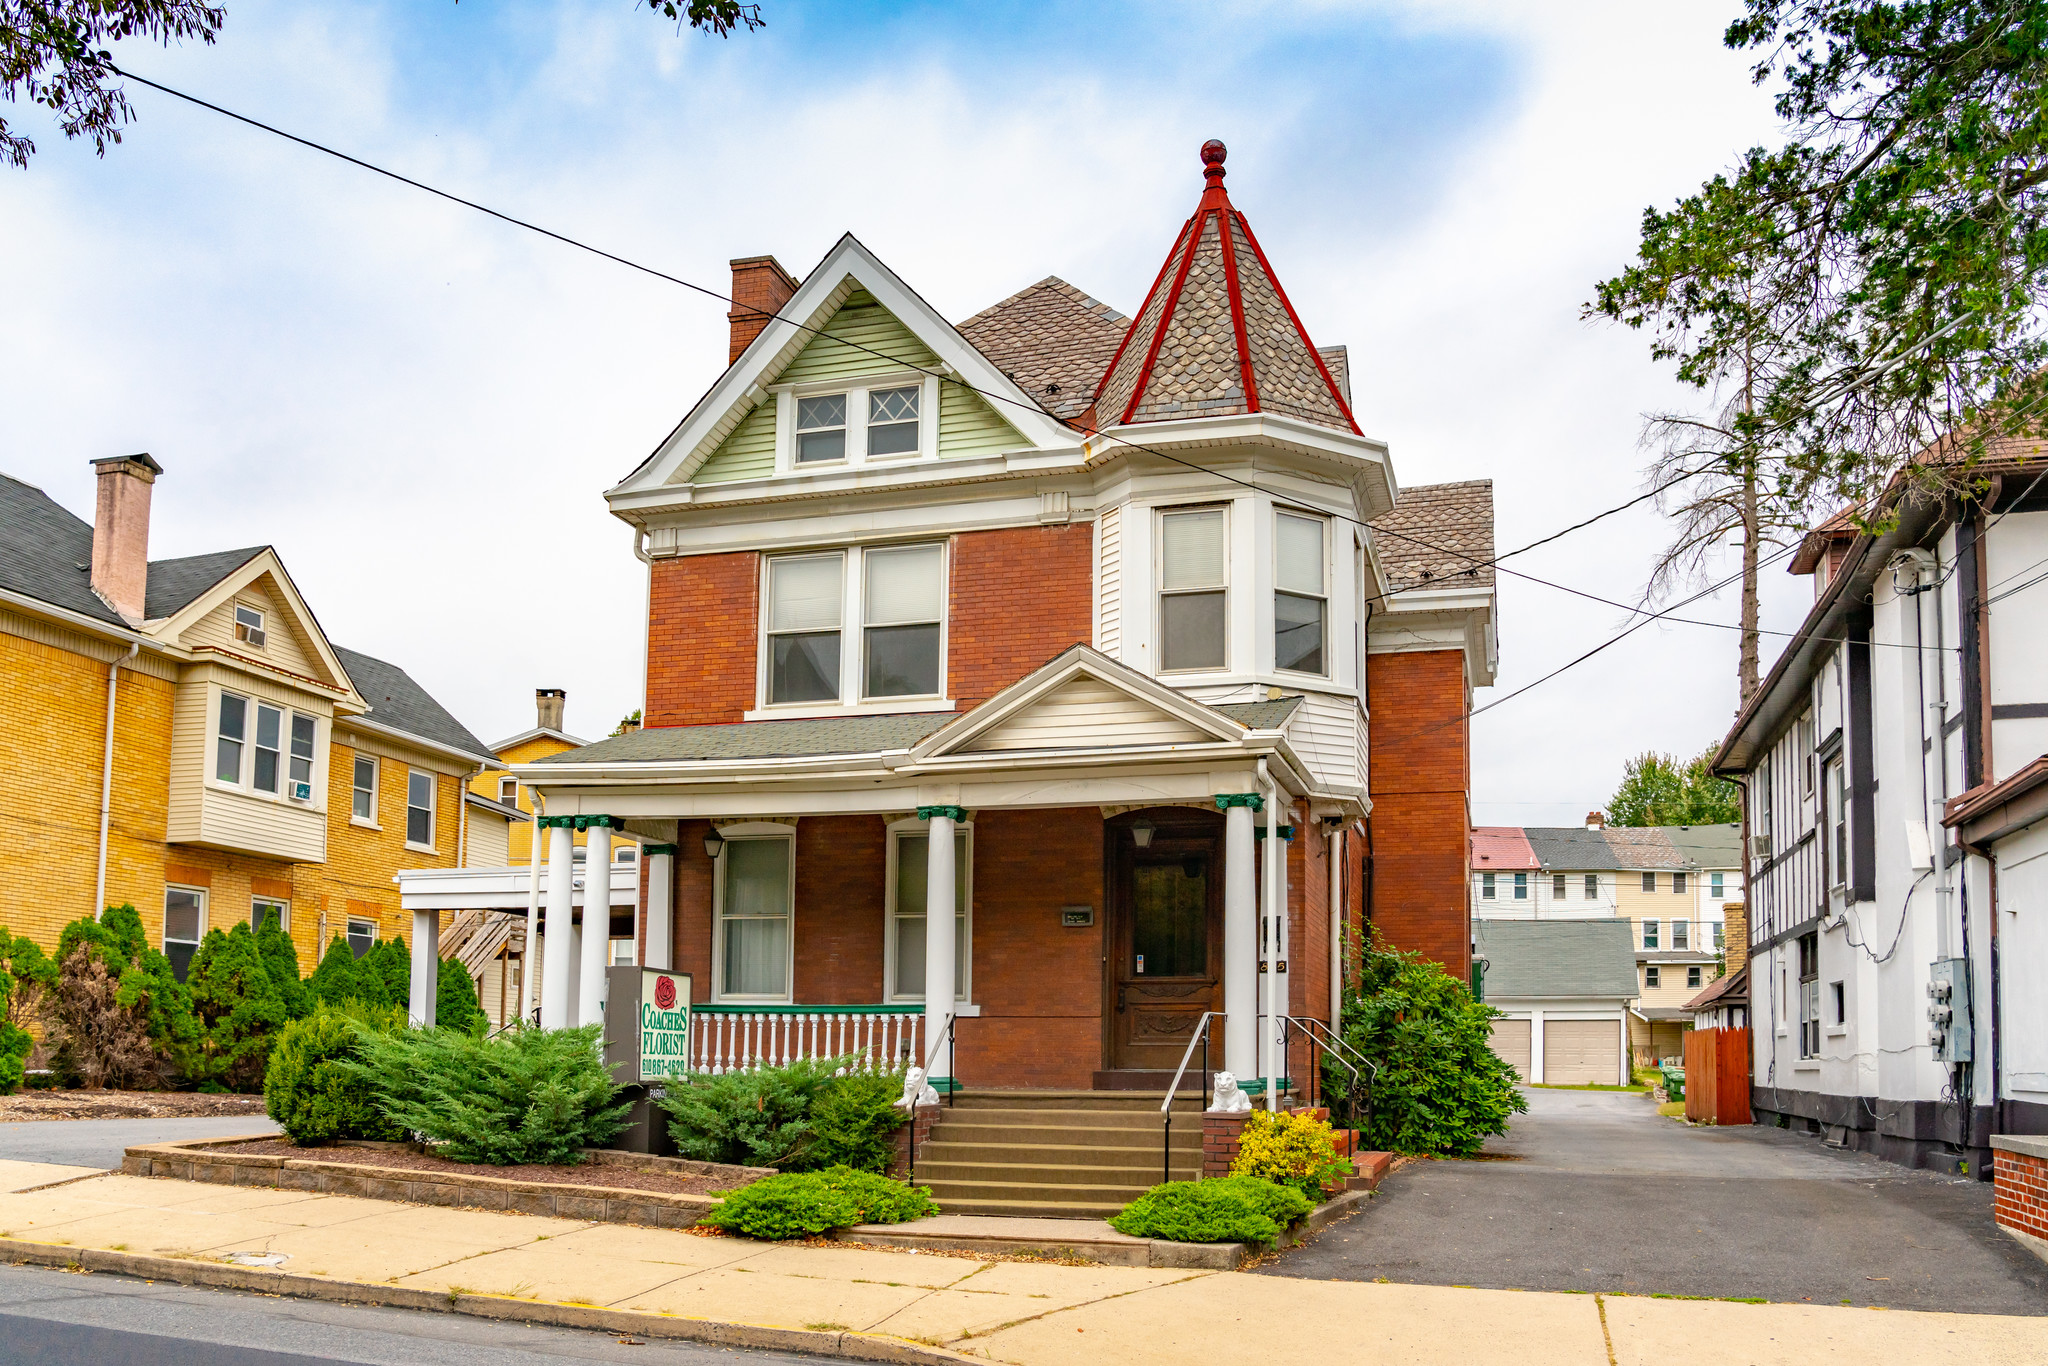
(1474, 563)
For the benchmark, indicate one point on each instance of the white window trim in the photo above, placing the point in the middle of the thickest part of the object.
(205, 909)
(513, 800)
(262, 625)
(376, 781)
(852, 638)
(856, 388)
(284, 910)
(963, 990)
(245, 783)
(752, 830)
(1160, 512)
(349, 923)
(1274, 568)
(433, 808)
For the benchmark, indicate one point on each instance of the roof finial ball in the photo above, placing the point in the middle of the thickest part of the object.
(1213, 152)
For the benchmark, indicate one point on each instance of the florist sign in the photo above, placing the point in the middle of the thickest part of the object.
(664, 1024)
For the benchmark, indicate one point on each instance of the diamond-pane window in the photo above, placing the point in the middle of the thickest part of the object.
(821, 428)
(892, 421)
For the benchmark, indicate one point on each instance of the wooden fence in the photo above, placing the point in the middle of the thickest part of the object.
(1717, 1076)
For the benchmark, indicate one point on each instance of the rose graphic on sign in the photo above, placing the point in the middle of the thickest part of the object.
(665, 993)
(664, 1025)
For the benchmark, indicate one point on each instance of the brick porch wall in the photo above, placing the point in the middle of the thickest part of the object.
(2020, 1200)
(1421, 817)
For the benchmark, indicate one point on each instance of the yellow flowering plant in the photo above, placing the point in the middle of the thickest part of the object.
(1296, 1151)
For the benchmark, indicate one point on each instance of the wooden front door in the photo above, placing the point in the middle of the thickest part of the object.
(1166, 939)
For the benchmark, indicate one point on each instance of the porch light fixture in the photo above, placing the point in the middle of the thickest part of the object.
(713, 843)
(1141, 834)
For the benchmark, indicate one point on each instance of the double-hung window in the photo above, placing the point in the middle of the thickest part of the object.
(249, 626)
(263, 907)
(903, 618)
(1681, 934)
(1809, 995)
(1486, 886)
(362, 935)
(898, 648)
(184, 926)
(1835, 792)
(1592, 886)
(1652, 977)
(264, 748)
(1716, 887)
(1192, 589)
(1557, 886)
(1692, 978)
(1678, 882)
(907, 914)
(892, 421)
(753, 918)
(508, 791)
(363, 790)
(1521, 886)
(301, 772)
(1300, 600)
(1720, 936)
(1651, 937)
(231, 739)
(1649, 882)
(419, 809)
(269, 739)
(820, 429)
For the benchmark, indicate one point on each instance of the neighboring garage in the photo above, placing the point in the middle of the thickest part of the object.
(1564, 987)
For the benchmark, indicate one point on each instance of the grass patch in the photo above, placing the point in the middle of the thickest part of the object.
(1673, 1108)
(829, 1327)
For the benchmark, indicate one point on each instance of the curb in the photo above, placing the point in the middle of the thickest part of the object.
(849, 1345)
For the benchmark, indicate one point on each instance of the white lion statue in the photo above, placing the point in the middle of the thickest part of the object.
(1230, 1098)
(917, 1091)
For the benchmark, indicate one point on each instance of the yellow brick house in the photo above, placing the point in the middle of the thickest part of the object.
(183, 737)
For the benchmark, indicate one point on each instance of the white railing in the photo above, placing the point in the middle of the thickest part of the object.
(740, 1038)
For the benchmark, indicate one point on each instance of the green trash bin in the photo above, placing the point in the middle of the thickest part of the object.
(1674, 1082)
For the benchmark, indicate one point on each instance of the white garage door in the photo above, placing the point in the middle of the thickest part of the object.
(1582, 1052)
(1511, 1041)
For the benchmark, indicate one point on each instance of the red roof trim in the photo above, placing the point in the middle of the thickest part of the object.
(1288, 304)
(1244, 350)
(1180, 279)
(1139, 316)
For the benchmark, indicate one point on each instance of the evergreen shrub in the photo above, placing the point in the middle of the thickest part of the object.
(241, 1007)
(759, 1118)
(1439, 1087)
(455, 1003)
(114, 1012)
(854, 1122)
(521, 1096)
(26, 977)
(1234, 1209)
(308, 1091)
(800, 1204)
(336, 978)
(1296, 1151)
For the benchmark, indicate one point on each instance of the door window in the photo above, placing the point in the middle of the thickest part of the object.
(1170, 919)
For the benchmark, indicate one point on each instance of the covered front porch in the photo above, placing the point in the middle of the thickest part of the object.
(1059, 890)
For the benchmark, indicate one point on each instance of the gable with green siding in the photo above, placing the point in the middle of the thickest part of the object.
(863, 338)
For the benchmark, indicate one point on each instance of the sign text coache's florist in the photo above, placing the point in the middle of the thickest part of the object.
(664, 1025)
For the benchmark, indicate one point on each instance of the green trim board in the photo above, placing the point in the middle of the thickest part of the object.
(737, 1008)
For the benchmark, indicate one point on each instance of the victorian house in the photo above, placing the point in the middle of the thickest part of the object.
(1036, 695)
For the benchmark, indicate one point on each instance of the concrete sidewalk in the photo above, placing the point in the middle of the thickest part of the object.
(511, 1265)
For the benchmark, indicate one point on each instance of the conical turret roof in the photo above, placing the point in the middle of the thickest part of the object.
(1216, 336)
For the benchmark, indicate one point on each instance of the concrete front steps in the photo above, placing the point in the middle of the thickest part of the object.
(1056, 1154)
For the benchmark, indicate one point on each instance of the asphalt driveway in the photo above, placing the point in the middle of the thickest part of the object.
(1594, 1191)
(100, 1142)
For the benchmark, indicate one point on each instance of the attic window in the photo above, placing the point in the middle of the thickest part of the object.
(821, 429)
(248, 626)
(892, 421)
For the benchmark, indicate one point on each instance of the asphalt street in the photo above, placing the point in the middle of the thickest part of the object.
(100, 1142)
(1595, 1191)
(63, 1318)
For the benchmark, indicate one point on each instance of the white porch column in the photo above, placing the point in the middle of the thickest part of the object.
(657, 865)
(597, 921)
(939, 911)
(426, 967)
(529, 984)
(1240, 936)
(558, 964)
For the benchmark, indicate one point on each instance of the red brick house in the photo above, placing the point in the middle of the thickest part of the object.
(986, 661)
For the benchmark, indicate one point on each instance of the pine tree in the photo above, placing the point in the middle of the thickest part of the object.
(338, 978)
(281, 956)
(391, 966)
(455, 1003)
(240, 1008)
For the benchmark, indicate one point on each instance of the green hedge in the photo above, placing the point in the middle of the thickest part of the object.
(308, 1089)
(805, 1115)
(1233, 1209)
(800, 1204)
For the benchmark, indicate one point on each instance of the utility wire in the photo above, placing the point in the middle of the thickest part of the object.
(1475, 563)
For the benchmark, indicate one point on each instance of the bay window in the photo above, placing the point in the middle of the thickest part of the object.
(233, 730)
(1192, 587)
(1300, 600)
(907, 901)
(754, 885)
(882, 640)
(271, 752)
(269, 724)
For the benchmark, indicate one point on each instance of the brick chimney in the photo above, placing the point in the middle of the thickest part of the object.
(1596, 820)
(120, 532)
(1735, 935)
(760, 287)
(550, 702)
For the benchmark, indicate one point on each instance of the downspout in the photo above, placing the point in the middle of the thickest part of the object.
(641, 554)
(1336, 929)
(1265, 994)
(99, 891)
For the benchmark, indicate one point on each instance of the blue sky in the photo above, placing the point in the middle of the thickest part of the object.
(419, 406)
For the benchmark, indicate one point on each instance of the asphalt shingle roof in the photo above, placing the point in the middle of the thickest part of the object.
(401, 704)
(1052, 339)
(1438, 535)
(1260, 715)
(1549, 958)
(175, 584)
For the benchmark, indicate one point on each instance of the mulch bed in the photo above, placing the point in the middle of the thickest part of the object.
(616, 1177)
(30, 1105)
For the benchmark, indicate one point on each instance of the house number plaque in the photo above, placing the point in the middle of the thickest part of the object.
(1072, 916)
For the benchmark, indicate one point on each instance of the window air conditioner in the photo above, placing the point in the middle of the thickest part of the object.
(1759, 846)
(302, 792)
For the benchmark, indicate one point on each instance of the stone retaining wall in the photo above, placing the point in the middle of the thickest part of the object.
(214, 1160)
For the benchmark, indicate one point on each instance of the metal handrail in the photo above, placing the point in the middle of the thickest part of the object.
(952, 1085)
(1201, 1036)
(1327, 1039)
